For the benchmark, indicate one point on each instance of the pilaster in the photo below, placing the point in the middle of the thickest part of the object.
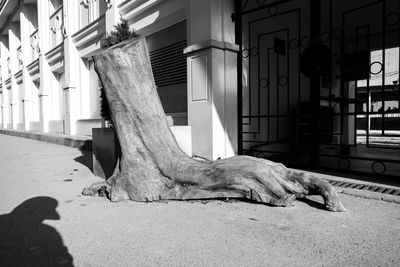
(112, 14)
(73, 64)
(5, 106)
(1, 105)
(212, 78)
(14, 91)
(4, 76)
(26, 78)
(45, 71)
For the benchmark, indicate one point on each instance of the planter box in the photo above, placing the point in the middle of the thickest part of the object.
(106, 151)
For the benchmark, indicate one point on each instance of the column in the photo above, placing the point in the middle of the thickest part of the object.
(4, 76)
(73, 64)
(26, 78)
(112, 14)
(14, 91)
(212, 78)
(45, 71)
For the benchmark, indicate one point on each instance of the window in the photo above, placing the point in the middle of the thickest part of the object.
(378, 97)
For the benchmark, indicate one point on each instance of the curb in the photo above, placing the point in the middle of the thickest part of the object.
(80, 142)
(369, 195)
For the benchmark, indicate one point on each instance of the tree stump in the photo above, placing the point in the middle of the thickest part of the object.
(152, 167)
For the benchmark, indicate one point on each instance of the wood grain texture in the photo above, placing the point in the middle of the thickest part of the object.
(152, 166)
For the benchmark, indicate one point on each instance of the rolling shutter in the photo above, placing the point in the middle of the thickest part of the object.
(169, 64)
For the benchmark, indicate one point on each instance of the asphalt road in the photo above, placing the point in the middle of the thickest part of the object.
(45, 221)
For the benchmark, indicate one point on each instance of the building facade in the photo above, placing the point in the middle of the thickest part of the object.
(310, 83)
(48, 82)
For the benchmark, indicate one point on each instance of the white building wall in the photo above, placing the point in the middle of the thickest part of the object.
(4, 75)
(85, 90)
(62, 86)
(35, 101)
(94, 88)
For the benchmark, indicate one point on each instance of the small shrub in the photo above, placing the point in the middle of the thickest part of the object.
(121, 33)
(104, 108)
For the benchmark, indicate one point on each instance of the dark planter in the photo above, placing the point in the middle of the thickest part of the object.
(106, 151)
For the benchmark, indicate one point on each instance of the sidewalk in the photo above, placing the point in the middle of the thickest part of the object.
(40, 195)
(77, 141)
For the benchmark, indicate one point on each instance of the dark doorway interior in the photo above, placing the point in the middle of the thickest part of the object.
(320, 84)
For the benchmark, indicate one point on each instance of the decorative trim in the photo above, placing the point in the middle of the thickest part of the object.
(33, 67)
(9, 65)
(34, 41)
(199, 78)
(109, 3)
(8, 83)
(85, 3)
(92, 30)
(18, 77)
(55, 58)
(87, 39)
(19, 57)
(55, 12)
(226, 46)
(129, 9)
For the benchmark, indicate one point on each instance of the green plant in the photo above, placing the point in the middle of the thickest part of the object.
(121, 33)
(104, 108)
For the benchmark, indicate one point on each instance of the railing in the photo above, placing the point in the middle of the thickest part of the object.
(35, 48)
(90, 10)
(56, 27)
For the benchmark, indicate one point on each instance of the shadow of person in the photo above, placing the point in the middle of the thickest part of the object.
(26, 241)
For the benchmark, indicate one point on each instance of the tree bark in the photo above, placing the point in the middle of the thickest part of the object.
(152, 167)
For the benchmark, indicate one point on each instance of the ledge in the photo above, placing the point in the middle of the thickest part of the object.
(81, 33)
(90, 35)
(55, 58)
(8, 83)
(18, 77)
(211, 44)
(33, 69)
(129, 9)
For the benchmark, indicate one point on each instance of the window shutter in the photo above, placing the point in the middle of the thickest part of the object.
(169, 64)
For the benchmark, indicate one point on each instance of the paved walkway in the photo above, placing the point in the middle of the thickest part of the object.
(45, 221)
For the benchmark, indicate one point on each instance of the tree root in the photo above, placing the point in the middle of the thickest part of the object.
(239, 177)
(98, 189)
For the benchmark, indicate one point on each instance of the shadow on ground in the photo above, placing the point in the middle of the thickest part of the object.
(86, 158)
(26, 241)
(312, 203)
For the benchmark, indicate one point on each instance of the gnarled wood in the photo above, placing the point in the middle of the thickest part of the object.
(152, 166)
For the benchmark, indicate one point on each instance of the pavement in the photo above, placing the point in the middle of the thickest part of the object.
(45, 221)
